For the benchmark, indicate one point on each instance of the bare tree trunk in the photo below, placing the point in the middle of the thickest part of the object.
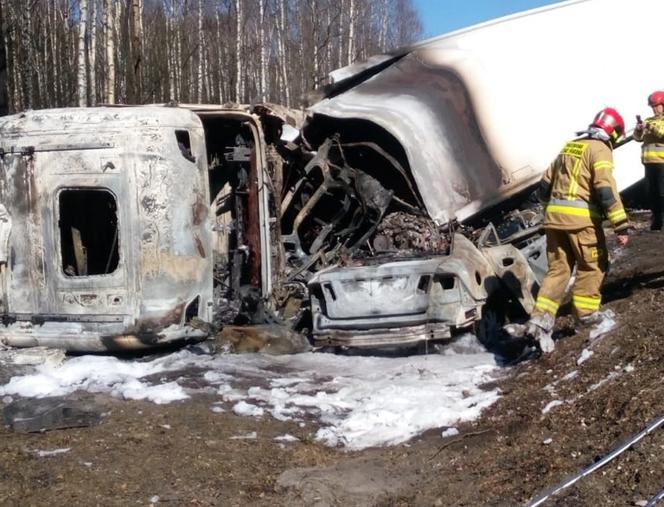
(37, 58)
(340, 35)
(351, 32)
(17, 99)
(220, 63)
(168, 11)
(28, 42)
(239, 83)
(263, 46)
(313, 6)
(137, 50)
(109, 15)
(328, 49)
(178, 63)
(4, 81)
(199, 77)
(121, 35)
(93, 53)
(283, 56)
(384, 19)
(82, 84)
(55, 54)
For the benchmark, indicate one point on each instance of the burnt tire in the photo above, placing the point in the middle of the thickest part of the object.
(498, 311)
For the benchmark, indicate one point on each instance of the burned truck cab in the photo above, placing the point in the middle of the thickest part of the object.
(106, 228)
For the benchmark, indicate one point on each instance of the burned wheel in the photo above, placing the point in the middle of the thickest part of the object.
(500, 309)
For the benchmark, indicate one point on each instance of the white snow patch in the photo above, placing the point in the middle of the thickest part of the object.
(96, 374)
(54, 452)
(247, 436)
(547, 441)
(154, 499)
(551, 405)
(608, 378)
(286, 438)
(449, 432)
(629, 368)
(585, 355)
(607, 323)
(359, 401)
(244, 408)
(551, 388)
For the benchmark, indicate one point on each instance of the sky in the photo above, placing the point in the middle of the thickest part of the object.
(443, 16)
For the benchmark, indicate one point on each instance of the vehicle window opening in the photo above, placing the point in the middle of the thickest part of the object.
(88, 232)
(192, 309)
(507, 261)
(184, 143)
(423, 284)
(447, 282)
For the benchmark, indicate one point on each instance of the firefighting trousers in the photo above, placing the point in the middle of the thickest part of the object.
(584, 248)
(655, 181)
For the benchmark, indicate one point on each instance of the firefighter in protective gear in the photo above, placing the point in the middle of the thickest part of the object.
(578, 191)
(651, 133)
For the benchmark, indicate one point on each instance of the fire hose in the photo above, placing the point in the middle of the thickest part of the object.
(655, 499)
(617, 451)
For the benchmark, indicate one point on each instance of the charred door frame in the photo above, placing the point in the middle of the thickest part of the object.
(259, 235)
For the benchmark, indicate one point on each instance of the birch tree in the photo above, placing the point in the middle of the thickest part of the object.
(109, 29)
(199, 77)
(351, 32)
(82, 84)
(263, 48)
(92, 56)
(283, 56)
(136, 51)
(82, 52)
(4, 95)
(239, 82)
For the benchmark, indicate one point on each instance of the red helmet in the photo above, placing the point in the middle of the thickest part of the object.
(656, 98)
(610, 121)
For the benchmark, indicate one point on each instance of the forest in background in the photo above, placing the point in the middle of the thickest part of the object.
(58, 53)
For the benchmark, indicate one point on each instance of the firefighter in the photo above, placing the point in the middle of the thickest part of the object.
(578, 190)
(651, 133)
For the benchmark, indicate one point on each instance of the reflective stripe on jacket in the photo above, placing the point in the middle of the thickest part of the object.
(652, 150)
(581, 187)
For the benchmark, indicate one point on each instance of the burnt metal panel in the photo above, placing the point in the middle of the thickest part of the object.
(164, 226)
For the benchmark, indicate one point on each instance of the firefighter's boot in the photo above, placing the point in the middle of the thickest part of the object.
(599, 322)
(540, 327)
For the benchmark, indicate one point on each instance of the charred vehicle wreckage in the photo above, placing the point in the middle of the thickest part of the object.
(137, 226)
(395, 211)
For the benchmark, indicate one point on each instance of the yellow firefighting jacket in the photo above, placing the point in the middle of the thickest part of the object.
(652, 150)
(578, 188)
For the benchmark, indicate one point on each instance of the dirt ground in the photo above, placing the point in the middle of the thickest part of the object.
(184, 453)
